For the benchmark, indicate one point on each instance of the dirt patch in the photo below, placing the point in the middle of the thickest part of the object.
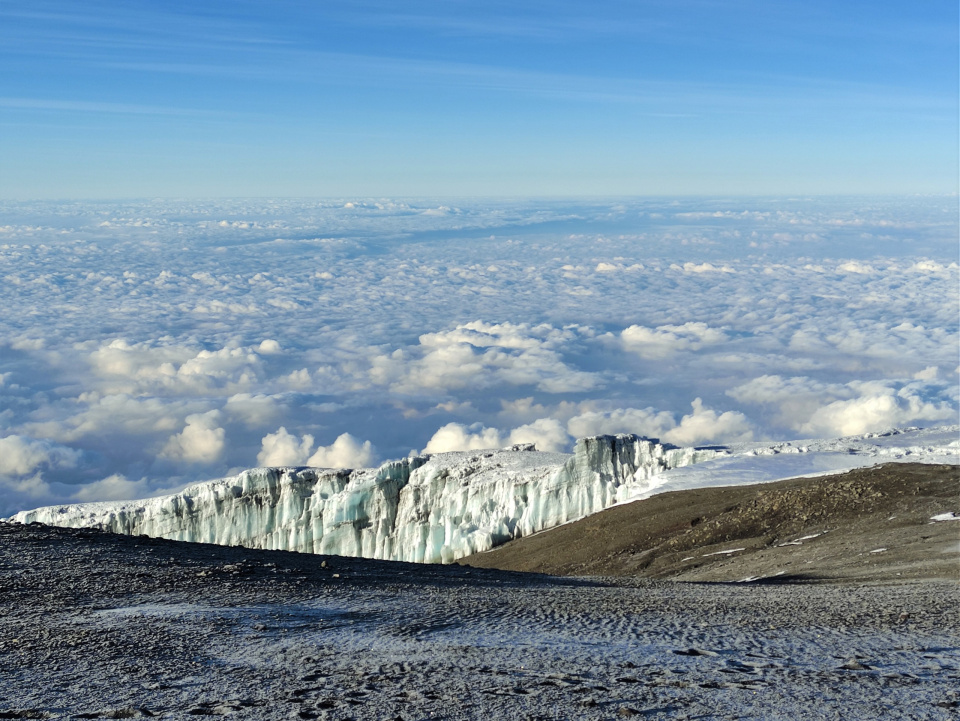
(870, 524)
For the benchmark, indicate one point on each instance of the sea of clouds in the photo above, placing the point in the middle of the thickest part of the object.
(145, 345)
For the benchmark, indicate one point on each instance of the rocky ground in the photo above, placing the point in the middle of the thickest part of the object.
(866, 525)
(95, 625)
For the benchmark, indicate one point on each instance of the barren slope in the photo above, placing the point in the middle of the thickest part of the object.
(867, 524)
(96, 625)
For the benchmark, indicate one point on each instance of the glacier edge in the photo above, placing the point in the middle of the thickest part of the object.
(424, 509)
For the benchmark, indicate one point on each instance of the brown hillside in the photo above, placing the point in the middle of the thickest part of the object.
(866, 524)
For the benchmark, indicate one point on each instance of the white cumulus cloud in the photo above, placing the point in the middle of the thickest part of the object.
(24, 462)
(22, 456)
(269, 347)
(856, 267)
(643, 422)
(112, 488)
(286, 449)
(547, 434)
(151, 367)
(479, 354)
(200, 441)
(345, 452)
(874, 411)
(459, 437)
(705, 426)
(665, 340)
(253, 410)
(819, 409)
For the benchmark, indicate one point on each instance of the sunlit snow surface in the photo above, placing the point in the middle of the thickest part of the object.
(441, 508)
(148, 345)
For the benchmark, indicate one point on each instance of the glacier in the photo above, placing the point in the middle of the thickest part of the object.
(424, 509)
(439, 508)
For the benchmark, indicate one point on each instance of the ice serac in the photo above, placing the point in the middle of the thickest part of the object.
(425, 509)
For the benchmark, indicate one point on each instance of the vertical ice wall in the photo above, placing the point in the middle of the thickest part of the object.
(423, 509)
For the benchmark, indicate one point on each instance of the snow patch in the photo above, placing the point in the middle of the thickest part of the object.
(724, 553)
(751, 579)
(949, 516)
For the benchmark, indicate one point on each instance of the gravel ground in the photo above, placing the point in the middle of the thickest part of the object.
(95, 625)
(862, 526)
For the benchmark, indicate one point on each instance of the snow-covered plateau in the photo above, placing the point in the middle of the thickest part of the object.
(438, 508)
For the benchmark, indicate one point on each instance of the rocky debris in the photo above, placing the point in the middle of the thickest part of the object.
(695, 652)
(94, 625)
(855, 665)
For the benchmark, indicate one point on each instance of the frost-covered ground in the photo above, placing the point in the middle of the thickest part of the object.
(117, 627)
(148, 345)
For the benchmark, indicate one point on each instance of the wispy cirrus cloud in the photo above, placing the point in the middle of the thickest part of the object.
(88, 106)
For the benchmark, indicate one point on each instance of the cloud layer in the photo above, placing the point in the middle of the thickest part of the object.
(147, 345)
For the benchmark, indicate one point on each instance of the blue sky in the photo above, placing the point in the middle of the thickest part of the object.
(176, 99)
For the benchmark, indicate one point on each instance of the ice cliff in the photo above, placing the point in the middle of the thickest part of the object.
(424, 509)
